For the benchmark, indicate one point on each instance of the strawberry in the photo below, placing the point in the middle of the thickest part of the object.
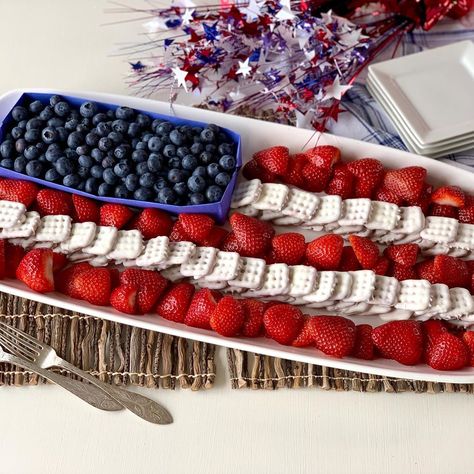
(252, 235)
(124, 299)
(65, 280)
(252, 170)
(460, 9)
(115, 215)
(468, 338)
(383, 194)
(51, 202)
(315, 179)
(175, 302)
(365, 250)
(424, 201)
(449, 196)
(403, 254)
(443, 211)
(253, 323)
(13, 256)
(349, 262)
(363, 344)
(196, 226)
(152, 223)
(325, 252)
(323, 156)
(305, 337)
(448, 352)
(94, 286)
(294, 176)
(283, 323)
(36, 270)
(2, 259)
(177, 233)
(85, 209)
(202, 305)
(433, 328)
(228, 317)
(408, 183)
(466, 215)
(288, 248)
(382, 266)
(215, 238)
(274, 159)
(451, 271)
(342, 182)
(18, 190)
(333, 335)
(424, 270)
(403, 272)
(368, 173)
(399, 340)
(59, 261)
(230, 243)
(472, 284)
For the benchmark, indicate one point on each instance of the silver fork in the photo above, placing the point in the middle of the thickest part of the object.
(26, 346)
(88, 393)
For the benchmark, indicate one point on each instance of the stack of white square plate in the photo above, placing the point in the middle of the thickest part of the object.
(430, 98)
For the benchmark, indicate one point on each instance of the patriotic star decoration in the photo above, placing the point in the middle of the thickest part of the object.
(187, 17)
(252, 10)
(244, 68)
(180, 76)
(335, 90)
(285, 13)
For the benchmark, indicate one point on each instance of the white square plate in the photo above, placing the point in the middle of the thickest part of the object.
(434, 90)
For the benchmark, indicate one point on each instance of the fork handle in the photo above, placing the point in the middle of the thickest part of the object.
(88, 393)
(142, 406)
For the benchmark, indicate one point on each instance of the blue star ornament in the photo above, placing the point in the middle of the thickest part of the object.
(210, 32)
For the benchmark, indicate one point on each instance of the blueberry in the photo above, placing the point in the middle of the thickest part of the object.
(19, 113)
(52, 175)
(180, 188)
(64, 166)
(160, 183)
(54, 99)
(20, 164)
(108, 162)
(122, 169)
(55, 122)
(197, 130)
(71, 125)
(166, 196)
(83, 172)
(88, 109)
(98, 118)
(7, 148)
(103, 129)
(147, 180)
(143, 120)
(71, 154)
(124, 113)
(72, 180)
(97, 171)
(213, 170)
(62, 134)
(97, 155)
(122, 151)
(155, 124)
(135, 142)
(227, 162)
(47, 113)
(197, 198)
(17, 132)
(211, 148)
(109, 176)
(200, 171)
(196, 184)
(174, 162)
(116, 137)
(120, 126)
(105, 144)
(36, 107)
(83, 150)
(206, 158)
(141, 146)
(32, 153)
(121, 192)
(141, 168)
(222, 179)
(155, 162)
(105, 189)
(43, 159)
(189, 162)
(81, 128)
(22, 124)
(146, 137)
(177, 138)
(182, 151)
(176, 176)
(110, 114)
(34, 169)
(7, 163)
(81, 186)
(197, 148)
(32, 135)
(207, 135)
(143, 194)
(133, 130)
(215, 128)
(139, 156)
(92, 185)
(75, 139)
(92, 139)
(86, 161)
(225, 149)
(164, 128)
(62, 109)
(53, 152)
(20, 145)
(213, 193)
(155, 144)
(131, 182)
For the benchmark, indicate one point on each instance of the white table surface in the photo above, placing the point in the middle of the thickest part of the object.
(61, 44)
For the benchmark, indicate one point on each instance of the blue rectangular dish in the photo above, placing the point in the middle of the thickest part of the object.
(218, 210)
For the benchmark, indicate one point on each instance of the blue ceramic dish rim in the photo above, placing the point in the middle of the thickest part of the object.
(218, 209)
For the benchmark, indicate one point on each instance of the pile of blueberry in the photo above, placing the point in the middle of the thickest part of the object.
(121, 153)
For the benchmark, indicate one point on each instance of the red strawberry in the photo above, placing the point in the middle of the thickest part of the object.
(13, 256)
(36, 270)
(283, 323)
(333, 335)
(365, 250)
(472, 284)
(349, 262)
(368, 173)
(383, 194)
(196, 226)
(252, 235)
(325, 252)
(448, 352)
(177, 233)
(433, 328)
(85, 209)
(403, 254)
(342, 182)
(443, 211)
(424, 270)
(51, 202)
(59, 261)
(252, 170)
(468, 338)
(399, 340)
(18, 190)
(449, 196)
(202, 306)
(215, 238)
(424, 200)
(228, 317)
(94, 286)
(230, 243)
(288, 248)
(407, 183)
(65, 280)
(305, 337)
(466, 215)
(363, 345)
(2, 259)
(274, 159)
(382, 266)
(175, 302)
(294, 176)
(253, 323)
(315, 179)
(324, 156)
(115, 215)
(451, 271)
(403, 272)
(124, 299)
(460, 9)
(152, 223)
